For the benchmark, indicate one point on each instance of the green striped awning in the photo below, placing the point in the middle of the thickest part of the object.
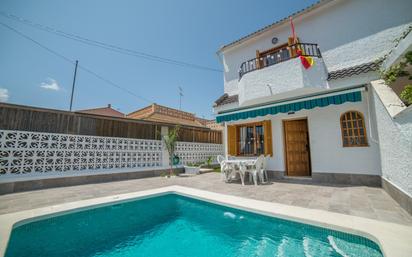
(291, 107)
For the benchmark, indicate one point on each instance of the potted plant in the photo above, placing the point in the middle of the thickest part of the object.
(207, 165)
(192, 168)
(169, 141)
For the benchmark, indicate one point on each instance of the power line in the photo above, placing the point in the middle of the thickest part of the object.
(110, 47)
(73, 62)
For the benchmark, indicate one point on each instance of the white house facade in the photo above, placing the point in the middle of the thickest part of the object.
(319, 121)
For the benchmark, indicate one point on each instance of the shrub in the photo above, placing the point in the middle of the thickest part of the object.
(398, 70)
(406, 94)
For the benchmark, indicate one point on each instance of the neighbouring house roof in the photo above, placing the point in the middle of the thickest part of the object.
(105, 111)
(226, 99)
(268, 27)
(160, 113)
(202, 121)
(210, 124)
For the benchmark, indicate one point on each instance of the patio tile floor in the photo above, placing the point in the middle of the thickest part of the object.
(361, 201)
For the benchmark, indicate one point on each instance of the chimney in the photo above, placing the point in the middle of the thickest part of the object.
(109, 106)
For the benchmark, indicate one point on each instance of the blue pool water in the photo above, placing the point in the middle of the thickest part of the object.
(173, 225)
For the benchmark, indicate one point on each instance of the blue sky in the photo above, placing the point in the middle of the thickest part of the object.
(185, 30)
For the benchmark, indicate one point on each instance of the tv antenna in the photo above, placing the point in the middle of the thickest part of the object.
(180, 97)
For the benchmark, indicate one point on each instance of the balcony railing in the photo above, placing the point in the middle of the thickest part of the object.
(279, 56)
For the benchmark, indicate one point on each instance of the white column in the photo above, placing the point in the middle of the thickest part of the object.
(165, 154)
(225, 140)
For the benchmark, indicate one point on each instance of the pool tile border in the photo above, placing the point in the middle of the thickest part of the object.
(393, 239)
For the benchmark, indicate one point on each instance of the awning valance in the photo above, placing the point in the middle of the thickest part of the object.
(355, 96)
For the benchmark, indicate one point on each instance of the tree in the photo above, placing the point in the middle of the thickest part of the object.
(169, 141)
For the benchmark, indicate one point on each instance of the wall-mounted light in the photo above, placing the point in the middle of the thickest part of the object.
(290, 113)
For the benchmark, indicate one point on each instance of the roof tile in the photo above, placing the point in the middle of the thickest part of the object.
(226, 99)
(355, 70)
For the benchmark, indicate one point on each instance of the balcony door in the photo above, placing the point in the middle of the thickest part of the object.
(272, 56)
(297, 151)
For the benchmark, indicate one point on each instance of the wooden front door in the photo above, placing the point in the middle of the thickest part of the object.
(297, 147)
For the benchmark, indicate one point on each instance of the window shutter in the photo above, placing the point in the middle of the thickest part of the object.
(267, 130)
(231, 140)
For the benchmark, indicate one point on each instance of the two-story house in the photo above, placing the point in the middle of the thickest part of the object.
(316, 121)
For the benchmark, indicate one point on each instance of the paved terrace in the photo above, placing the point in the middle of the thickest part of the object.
(362, 201)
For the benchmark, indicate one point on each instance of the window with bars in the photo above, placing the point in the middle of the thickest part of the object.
(251, 139)
(353, 129)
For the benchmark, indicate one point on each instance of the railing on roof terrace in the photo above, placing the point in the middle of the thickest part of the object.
(279, 56)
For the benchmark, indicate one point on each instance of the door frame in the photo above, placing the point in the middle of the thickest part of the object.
(284, 144)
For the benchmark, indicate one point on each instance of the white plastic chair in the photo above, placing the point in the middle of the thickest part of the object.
(220, 159)
(225, 170)
(263, 174)
(242, 172)
(223, 166)
(254, 169)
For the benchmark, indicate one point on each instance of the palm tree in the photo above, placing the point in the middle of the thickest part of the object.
(169, 141)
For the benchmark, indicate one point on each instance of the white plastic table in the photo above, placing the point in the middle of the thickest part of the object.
(238, 161)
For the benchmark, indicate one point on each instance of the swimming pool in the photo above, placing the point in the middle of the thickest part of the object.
(174, 225)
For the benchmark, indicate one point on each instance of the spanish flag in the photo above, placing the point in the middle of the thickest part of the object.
(306, 61)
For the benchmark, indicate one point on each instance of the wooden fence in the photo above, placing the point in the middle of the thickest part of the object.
(26, 118)
(201, 136)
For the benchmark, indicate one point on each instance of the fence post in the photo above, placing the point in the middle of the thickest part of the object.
(165, 154)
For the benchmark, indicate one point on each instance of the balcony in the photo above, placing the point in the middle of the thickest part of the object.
(282, 76)
(279, 56)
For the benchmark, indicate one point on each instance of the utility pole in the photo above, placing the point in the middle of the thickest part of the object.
(74, 83)
(180, 98)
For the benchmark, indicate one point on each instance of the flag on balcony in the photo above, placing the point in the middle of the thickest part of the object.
(306, 61)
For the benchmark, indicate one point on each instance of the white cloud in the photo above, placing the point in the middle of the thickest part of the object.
(50, 84)
(4, 95)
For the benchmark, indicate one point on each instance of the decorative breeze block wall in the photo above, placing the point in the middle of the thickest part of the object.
(34, 153)
(190, 152)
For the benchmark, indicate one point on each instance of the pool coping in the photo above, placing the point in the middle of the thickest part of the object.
(393, 239)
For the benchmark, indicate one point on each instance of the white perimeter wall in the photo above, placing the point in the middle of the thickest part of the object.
(327, 153)
(394, 124)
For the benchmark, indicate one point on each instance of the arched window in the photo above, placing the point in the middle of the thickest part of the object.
(353, 129)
